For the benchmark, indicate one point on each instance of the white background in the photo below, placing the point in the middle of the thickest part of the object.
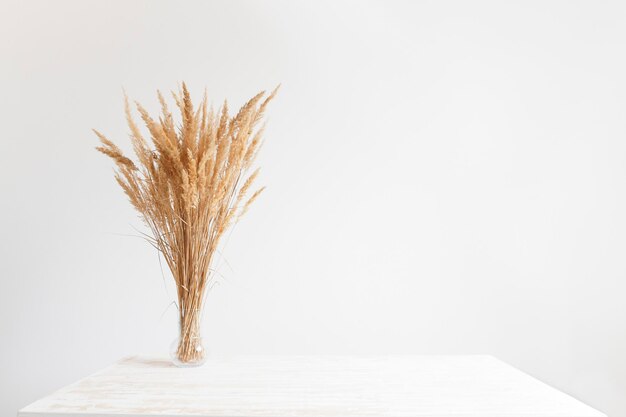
(443, 177)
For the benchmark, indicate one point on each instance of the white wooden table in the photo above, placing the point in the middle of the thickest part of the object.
(305, 386)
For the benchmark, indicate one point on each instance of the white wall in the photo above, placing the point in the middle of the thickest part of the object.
(443, 177)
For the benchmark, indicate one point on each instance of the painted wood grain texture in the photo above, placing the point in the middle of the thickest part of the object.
(311, 386)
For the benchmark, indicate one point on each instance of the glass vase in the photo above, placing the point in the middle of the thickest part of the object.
(188, 350)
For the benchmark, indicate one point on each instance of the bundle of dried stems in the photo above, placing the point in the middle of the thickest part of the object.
(190, 185)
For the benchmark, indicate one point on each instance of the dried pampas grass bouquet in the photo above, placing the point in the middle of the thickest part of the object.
(190, 181)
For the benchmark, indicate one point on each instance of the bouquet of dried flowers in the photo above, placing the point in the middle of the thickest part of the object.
(190, 182)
